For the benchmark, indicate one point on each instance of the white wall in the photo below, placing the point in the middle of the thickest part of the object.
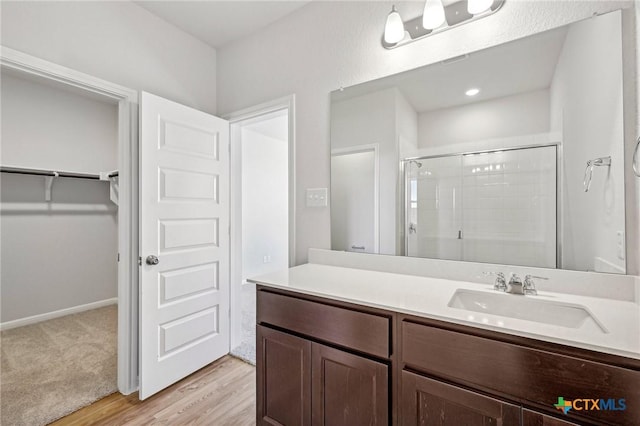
(587, 104)
(517, 115)
(406, 125)
(117, 41)
(60, 254)
(265, 203)
(38, 130)
(326, 45)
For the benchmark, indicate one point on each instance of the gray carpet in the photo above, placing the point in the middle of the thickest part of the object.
(55, 367)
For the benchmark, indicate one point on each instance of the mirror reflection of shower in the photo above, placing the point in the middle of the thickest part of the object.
(492, 206)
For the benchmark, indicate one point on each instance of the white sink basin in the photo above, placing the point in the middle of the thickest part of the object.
(527, 308)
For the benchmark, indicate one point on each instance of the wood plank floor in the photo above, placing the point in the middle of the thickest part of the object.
(222, 393)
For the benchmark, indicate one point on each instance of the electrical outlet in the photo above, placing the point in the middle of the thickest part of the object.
(317, 197)
(266, 259)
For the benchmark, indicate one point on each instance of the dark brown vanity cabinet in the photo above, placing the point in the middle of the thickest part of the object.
(283, 379)
(430, 402)
(308, 372)
(482, 365)
(322, 362)
(531, 418)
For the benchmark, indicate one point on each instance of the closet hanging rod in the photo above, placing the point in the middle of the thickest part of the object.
(42, 172)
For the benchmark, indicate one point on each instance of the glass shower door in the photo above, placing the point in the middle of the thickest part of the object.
(492, 207)
(433, 209)
(509, 207)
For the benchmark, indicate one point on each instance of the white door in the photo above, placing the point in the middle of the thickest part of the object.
(354, 201)
(184, 220)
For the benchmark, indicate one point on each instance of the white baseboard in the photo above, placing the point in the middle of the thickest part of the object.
(56, 314)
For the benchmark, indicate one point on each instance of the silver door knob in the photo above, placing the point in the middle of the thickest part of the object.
(152, 260)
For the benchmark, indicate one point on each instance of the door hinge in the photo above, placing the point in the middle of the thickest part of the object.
(139, 261)
(118, 257)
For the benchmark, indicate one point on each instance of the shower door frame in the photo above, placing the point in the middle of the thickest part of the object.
(559, 209)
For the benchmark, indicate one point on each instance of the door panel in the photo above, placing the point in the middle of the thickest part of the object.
(532, 418)
(432, 403)
(285, 392)
(184, 204)
(348, 389)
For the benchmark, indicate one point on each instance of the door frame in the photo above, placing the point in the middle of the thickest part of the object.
(375, 148)
(235, 198)
(127, 100)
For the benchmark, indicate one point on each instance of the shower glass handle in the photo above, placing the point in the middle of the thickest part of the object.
(413, 228)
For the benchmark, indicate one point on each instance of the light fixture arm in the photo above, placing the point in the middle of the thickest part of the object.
(456, 15)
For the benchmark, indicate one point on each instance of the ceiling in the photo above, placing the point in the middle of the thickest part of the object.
(220, 22)
(521, 66)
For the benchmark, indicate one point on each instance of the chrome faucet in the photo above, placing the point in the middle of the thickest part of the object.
(500, 283)
(529, 286)
(526, 287)
(515, 285)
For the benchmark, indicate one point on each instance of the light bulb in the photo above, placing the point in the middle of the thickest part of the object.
(433, 15)
(475, 7)
(472, 92)
(394, 28)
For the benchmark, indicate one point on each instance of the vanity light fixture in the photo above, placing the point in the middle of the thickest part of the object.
(394, 28)
(472, 92)
(476, 7)
(433, 16)
(436, 18)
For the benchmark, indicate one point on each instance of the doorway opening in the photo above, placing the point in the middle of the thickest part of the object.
(67, 221)
(261, 210)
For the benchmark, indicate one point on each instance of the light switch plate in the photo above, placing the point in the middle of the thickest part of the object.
(317, 197)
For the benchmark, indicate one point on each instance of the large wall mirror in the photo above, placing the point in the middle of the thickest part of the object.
(509, 155)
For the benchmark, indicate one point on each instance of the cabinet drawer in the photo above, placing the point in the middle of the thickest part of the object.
(360, 331)
(521, 373)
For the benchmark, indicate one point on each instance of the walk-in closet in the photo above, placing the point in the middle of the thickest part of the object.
(59, 248)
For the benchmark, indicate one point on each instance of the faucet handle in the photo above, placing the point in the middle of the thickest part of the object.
(529, 286)
(500, 283)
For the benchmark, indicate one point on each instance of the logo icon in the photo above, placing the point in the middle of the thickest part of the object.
(563, 405)
(590, 404)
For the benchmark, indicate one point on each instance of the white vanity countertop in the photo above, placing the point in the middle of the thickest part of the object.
(428, 297)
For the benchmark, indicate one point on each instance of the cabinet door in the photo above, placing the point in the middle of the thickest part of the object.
(348, 389)
(531, 418)
(428, 402)
(284, 379)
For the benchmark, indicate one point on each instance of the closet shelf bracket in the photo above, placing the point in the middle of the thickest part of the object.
(113, 178)
(48, 185)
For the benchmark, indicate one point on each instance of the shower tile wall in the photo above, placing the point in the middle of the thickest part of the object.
(509, 207)
(502, 203)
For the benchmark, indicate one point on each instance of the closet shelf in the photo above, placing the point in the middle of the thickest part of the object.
(53, 173)
(49, 175)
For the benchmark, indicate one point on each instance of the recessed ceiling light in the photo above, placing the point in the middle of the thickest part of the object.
(472, 92)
